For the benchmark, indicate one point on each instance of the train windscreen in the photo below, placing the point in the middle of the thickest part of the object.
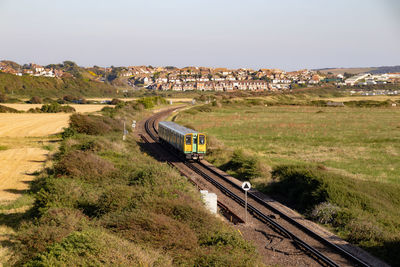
(188, 140)
(202, 139)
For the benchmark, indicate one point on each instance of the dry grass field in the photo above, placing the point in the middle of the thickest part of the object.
(24, 148)
(22, 138)
(135, 98)
(18, 165)
(42, 124)
(78, 108)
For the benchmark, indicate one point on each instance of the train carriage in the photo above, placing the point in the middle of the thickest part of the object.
(187, 141)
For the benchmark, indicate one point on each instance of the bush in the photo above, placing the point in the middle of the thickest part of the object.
(52, 108)
(36, 100)
(70, 98)
(52, 227)
(150, 102)
(67, 133)
(325, 212)
(116, 198)
(115, 101)
(243, 166)
(301, 184)
(94, 125)
(55, 108)
(5, 109)
(83, 164)
(95, 247)
(3, 98)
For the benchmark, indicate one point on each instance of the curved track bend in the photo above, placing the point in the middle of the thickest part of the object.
(319, 248)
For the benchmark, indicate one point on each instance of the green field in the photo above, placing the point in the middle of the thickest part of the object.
(359, 142)
(338, 166)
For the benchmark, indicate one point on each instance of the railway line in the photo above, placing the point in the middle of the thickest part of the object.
(317, 247)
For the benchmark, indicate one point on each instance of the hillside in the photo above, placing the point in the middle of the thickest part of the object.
(53, 87)
(375, 70)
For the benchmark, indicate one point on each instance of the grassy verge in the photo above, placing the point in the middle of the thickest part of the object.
(338, 166)
(105, 202)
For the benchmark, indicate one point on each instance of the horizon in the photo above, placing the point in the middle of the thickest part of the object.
(163, 66)
(230, 34)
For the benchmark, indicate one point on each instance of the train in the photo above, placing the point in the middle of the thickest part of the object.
(188, 142)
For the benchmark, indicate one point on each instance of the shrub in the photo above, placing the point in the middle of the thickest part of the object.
(52, 108)
(301, 184)
(67, 133)
(325, 212)
(35, 100)
(5, 109)
(95, 247)
(150, 102)
(115, 101)
(113, 199)
(55, 108)
(243, 166)
(70, 98)
(52, 227)
(83, 164)
(94, 125)
(109, 111)
(3, 98)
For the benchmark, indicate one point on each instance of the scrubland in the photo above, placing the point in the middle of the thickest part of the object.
(105, 202)
(337, 165)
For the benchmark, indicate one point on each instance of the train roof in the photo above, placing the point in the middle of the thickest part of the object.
(176, 127)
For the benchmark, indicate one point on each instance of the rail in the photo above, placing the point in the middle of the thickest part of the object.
(151, 130)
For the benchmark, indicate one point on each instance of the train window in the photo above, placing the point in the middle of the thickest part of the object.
(202, 139)
(188, 140)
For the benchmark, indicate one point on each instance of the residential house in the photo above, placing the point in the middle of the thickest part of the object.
(177, 87)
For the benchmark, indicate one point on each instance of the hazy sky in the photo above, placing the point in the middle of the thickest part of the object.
(287, 34)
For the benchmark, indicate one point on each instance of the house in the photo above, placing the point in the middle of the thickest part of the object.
(27, 71)
(208, 86)
(200, 86)
(188, 86)
(227, 85)
(177, 87)
(253, 85)
(218, 86)
(37, 68)
(353, 80)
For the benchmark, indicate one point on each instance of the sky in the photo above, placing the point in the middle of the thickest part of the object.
(285, 34)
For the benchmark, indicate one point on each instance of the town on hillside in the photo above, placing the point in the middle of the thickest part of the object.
(199, 78)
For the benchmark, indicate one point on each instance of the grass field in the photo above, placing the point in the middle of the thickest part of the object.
(359, 142)
(339, 166)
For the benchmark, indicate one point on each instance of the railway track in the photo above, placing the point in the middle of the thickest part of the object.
(301, 236)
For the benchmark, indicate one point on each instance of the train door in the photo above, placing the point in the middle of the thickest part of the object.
(194, 143)
(201, 143)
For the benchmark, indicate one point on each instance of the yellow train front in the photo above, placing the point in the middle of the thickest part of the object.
(188, 142)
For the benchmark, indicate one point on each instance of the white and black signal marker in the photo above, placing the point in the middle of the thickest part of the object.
(246, 187)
